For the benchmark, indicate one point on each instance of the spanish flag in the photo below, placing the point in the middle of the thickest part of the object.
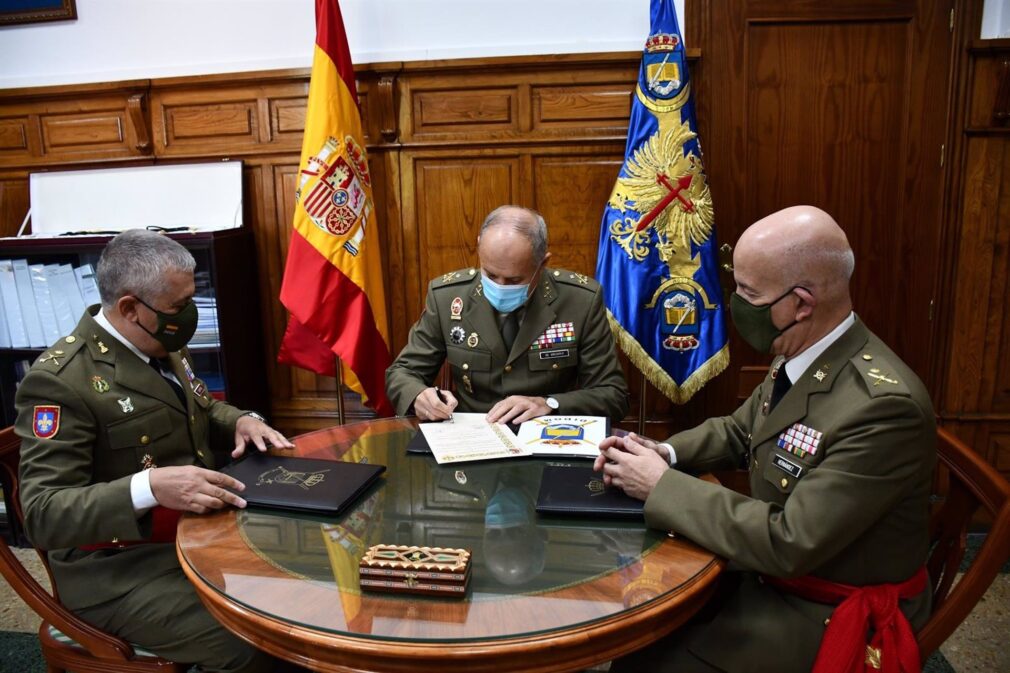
(332, 284)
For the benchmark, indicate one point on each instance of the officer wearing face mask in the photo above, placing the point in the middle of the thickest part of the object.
(840, 443)
(522, 339)
(116, 432)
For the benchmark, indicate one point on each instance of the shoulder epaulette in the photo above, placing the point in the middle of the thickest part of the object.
(455, 277)
(54, 358)
(880, 378)
(572, 278)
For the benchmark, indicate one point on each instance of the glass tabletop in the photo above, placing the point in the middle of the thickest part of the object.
(530, 573)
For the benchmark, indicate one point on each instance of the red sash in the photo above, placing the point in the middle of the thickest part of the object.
(164, 523)
(844, 650)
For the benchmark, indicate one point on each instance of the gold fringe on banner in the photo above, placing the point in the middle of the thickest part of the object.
(657, 376)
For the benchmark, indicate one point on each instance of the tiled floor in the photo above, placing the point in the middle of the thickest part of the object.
(978, 646)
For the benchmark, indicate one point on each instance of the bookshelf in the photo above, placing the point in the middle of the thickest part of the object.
(226, 351)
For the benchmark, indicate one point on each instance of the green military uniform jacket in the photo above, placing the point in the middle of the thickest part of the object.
(564, 348)
(115, 416)
(852, 510)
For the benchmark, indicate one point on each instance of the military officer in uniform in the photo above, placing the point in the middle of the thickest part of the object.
(116, 435)
(840, 443)
(522, 339)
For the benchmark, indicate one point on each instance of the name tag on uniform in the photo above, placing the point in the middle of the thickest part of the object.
(787, 466)
(554, 354)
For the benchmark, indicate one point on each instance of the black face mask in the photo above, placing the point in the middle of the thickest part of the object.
(174, 329)
(754, 322)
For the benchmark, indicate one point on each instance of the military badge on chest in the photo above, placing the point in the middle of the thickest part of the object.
(457, 335)
(800, 440)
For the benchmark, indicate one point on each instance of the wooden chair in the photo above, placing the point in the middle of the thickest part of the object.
(969, 485)
(68, 643)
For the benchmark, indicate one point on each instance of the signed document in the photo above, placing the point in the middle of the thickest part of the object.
(567, 436)
(471, 437)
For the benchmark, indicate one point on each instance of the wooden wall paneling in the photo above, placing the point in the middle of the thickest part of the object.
(974, 301)
(13, 201)
(67, 125)
(219, 118)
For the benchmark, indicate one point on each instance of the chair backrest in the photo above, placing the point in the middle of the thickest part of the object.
(47, 605)
(968, 484)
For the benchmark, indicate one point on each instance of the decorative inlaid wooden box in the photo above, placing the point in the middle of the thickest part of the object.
(435, 571)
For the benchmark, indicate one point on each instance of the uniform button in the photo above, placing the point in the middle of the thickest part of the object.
(784, 482)
(145, 440)
(557, 273)
(827, 621)
(465, 366)
(115, 540)
(555, 366)
(70, 339)
(192, 418)
(199, 453)
(867, 357)
(473, 272)
(508, 368)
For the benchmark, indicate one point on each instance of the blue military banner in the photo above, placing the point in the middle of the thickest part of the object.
(657, 260)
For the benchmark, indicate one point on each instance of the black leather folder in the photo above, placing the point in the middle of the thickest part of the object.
(579, 491)
(302, 484)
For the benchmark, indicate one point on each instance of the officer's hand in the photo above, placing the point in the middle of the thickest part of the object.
(189, 488)
(632, 467)
(612, 442)
(428, 407)
(661, 449)
(249, 429)
(518, 409)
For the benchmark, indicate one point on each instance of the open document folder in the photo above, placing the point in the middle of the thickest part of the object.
(470, 437)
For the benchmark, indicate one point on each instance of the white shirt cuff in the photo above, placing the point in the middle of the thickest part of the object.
(140, 492)
(673, 454)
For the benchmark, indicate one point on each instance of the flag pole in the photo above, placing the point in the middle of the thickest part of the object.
(641, 408)
(340, 393)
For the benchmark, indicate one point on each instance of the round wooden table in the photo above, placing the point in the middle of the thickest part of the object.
(546, 593)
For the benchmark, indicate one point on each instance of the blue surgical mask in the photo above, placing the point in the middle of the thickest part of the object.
(504, 298)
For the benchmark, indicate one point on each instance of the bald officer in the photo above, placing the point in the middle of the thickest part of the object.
(523, 340)
(116, 436)
(840, 443)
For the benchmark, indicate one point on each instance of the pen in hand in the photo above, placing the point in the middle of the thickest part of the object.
(443, 400)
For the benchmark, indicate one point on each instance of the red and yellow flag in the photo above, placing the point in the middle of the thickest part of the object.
(333, 285)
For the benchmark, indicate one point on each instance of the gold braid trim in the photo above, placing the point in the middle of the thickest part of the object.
(657, 376)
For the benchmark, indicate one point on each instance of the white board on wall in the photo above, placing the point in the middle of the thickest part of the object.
(196, 196)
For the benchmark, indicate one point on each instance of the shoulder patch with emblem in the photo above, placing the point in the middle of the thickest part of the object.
(46, 421)
(572, 278)
(880, 378)
(56, 357)
(456, 277)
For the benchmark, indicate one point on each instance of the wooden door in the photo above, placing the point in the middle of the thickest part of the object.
(840, 105)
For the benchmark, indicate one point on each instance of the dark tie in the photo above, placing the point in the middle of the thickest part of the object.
(162, 368)
(780, 387)
(509, 329)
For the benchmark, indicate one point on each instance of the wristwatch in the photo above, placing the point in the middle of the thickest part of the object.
(552, 403)
(255, 415)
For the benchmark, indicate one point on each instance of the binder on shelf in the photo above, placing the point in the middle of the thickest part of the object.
(65, 319)
(85, 275)
(5, 334)
(44, 304)
(12, 306)
(67, 283)
(26, 297)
